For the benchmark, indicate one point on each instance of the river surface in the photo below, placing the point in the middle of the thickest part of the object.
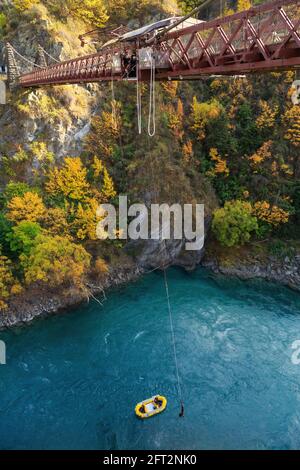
(72, 381)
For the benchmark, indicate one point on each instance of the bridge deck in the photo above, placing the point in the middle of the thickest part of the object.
(264, 38)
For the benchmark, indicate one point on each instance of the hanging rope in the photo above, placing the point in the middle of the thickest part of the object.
(152, 105)
(181, 414)
(138, 96)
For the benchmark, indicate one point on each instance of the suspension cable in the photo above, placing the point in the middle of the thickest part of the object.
(49, 55)
(181, 414)
(152, 104)
(24, 58)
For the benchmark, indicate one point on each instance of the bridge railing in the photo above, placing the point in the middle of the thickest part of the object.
(264, 37)
(264, 34)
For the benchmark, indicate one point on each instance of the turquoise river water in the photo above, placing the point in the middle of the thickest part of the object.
(72, 381)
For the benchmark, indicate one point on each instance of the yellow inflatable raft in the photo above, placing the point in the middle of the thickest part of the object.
(151, 407)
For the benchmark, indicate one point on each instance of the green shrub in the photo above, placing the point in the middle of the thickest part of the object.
(22, 237)
(234, 223)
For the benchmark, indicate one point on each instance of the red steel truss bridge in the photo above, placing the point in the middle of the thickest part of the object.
(263, 38)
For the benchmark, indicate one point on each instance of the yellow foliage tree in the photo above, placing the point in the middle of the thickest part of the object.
(243, 5)
(262, 154)
(56, 222)
(105, 130)
(187, 152)
(56, 261)
(292, 121)
(176, 120)
(107, 190)
(221, 167)
(267, 116)
(28, 207)
(202, 114)
(22, 5)
(273, 215)
(86, 220)
(8, 284)
(91, 11)
(69, 181)
(170, 88)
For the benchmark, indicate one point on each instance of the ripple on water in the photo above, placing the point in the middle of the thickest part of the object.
(72, 381)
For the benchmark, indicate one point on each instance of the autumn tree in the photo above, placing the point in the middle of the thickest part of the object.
(202, 114)
(272, 214)
(13, 189)
(56, 261)
(267, 117)
(56, 222)
(28, 207)
(188, 5)
(86, 220)
(262, 155)
(291, 121)
(101, 268)
(90, 11)
(104, 133)
(243, 5)
(22, 5)
(103, 179)
(187, 153)
(8, 284)
(175, 118)
(42, 155)
(220, 164)
(170, 88)
(69, 182)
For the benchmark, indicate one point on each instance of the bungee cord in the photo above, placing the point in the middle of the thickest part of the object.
(138, 97)
(181, 414)
(152, 104)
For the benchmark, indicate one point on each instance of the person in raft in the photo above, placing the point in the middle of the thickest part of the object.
(142, 409)
(158, 402)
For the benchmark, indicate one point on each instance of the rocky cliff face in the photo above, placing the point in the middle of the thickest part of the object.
(159, 254)
(246, 264)
(60, 117)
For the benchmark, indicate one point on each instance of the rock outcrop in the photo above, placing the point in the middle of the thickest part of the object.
(284, 271)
